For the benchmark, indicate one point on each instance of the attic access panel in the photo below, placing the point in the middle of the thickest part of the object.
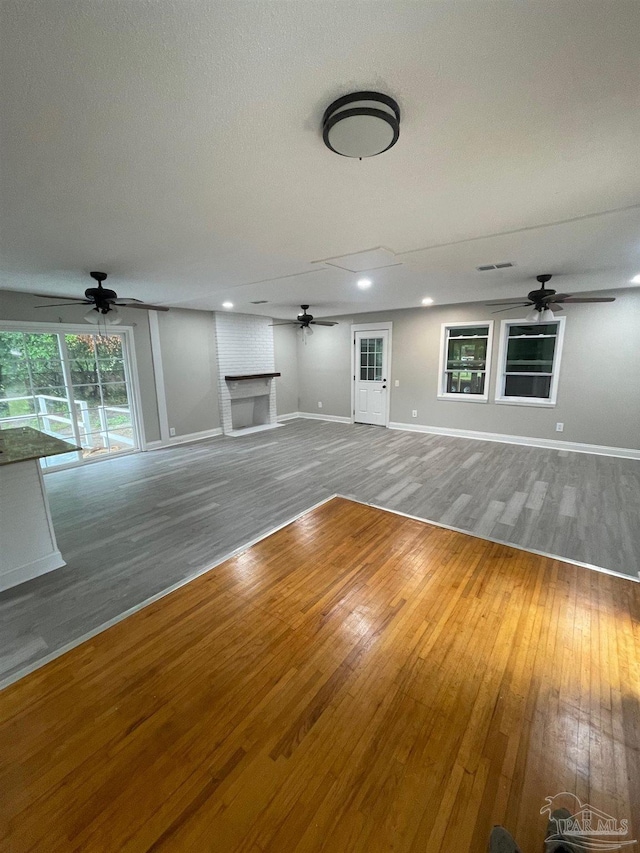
(371, 259)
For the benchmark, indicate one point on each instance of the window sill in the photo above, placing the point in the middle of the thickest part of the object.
(464, 398)
(540, 404)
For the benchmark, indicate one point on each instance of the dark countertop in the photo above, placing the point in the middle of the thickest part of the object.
(23, 443)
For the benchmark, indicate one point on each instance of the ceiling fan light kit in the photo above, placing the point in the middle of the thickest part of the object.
(536, 316)
(362, 124)
(109, 318)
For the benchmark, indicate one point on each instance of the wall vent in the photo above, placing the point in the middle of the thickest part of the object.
(503, 266)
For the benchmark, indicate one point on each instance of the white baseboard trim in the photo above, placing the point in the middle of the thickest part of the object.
(31, 570)
(336, 419)
(549, 443)
(184, 439)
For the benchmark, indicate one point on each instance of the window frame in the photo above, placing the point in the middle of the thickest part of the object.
(539, 402)
(442, 369)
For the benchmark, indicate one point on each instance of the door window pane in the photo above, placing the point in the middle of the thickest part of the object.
(115, 394)
(32, 383)
(95, 444)
(121, 439)
(371, 359)
(111, 370)
(88, 394)
(108, 346)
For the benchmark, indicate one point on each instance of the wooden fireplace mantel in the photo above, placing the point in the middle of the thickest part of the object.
(251, 376)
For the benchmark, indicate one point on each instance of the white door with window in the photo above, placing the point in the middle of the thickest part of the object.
(370, 378)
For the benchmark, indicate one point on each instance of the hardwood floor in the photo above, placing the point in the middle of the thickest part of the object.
(131, 528)
(357, 681)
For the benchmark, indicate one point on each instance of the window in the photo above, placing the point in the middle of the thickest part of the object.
(529, 362)
(465, 354)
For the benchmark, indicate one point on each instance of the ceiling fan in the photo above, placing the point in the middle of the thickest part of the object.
(545, 301)
(305, 321)
(102, 301)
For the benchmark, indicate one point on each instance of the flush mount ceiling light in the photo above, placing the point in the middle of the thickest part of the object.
(427, 301)
(227, 304)
(364, 283)
(635, 279)
(362, 124)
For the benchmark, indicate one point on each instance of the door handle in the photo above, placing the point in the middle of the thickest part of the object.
(384, 386)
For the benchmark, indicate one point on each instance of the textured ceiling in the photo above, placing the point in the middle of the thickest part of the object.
(176, 145)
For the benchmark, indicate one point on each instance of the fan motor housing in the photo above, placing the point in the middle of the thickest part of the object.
(100, 294)
(537, 295)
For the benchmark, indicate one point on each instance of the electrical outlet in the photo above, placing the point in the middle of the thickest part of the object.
(397, 383)
(559, 427)
(172, 430)
(414, 413)
(319, 404)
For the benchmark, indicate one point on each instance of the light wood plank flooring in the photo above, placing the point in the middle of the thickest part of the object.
(130, 528)
(357, 681)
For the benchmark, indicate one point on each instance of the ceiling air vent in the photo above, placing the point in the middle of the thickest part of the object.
(259, 301)
(503, 266)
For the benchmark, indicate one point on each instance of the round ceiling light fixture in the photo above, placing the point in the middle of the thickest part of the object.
(364, 283)
(362, 124)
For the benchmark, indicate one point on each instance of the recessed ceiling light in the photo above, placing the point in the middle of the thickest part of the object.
(364, 283)
(427, 301)
(227, 304)
(635, 279)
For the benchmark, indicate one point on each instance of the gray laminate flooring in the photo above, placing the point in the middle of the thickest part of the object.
(130, 528)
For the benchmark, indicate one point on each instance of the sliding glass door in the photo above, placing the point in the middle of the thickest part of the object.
(74, 386)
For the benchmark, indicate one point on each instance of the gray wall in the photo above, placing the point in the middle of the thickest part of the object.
(188, 347)
(598, 393)
(21, 306)
(285, 346)
(324, 368)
